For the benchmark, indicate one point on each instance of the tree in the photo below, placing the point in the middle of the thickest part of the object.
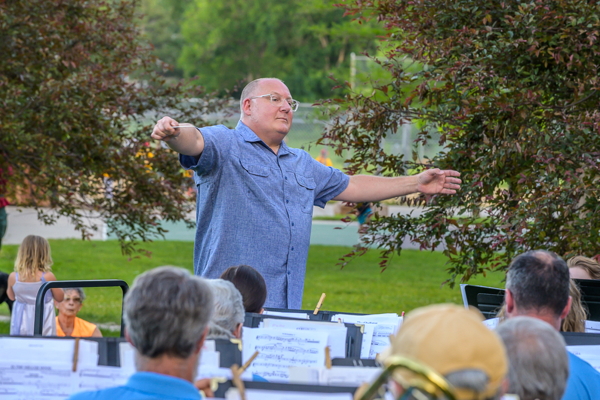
(512, 87)
(78, 97)
(301, 42)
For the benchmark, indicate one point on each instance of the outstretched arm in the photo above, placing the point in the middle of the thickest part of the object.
(362, 188)
(186, 140)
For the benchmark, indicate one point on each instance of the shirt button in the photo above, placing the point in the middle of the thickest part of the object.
(287, 201)
(292, 224)
(286, 178)
(289, 272)
(292, 248)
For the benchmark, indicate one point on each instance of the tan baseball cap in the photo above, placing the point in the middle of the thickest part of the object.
(448, 338)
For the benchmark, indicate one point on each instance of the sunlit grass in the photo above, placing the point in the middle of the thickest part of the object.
(411, 280)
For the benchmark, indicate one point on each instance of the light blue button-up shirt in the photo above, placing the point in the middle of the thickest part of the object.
(254, 207)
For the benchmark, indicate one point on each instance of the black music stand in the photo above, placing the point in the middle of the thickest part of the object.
(486, 299)
(590, 297)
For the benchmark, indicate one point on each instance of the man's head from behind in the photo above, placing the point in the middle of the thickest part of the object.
(539, 365)
(166, 312)
(537, 285)
(455, 343)
(229, 310)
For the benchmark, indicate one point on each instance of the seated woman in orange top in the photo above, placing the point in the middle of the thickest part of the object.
(67, 322)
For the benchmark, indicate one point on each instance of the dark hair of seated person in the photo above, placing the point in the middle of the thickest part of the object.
(251, 285)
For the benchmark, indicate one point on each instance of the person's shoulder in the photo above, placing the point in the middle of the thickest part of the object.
(49, 276)
(580, 363)
(115, 393)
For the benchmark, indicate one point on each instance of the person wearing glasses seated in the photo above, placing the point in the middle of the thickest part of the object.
(67, 321)
(256, 194)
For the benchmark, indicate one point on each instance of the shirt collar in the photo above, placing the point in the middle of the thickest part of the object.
(249, 136)
(163, 385)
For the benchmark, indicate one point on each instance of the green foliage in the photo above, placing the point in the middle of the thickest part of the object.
(512, 87)
(73, 113)
(301, 42)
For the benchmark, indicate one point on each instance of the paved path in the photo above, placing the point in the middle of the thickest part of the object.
(23, 222)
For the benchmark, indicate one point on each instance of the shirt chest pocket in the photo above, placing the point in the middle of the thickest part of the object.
(306, 192)
(255, 169)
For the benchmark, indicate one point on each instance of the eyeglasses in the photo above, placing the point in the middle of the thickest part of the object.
(278, 101)
(73, 299)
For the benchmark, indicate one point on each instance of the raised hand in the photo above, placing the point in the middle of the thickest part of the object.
(434, 181)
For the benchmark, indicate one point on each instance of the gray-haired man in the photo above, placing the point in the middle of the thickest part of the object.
(539, 365)
(166, 315)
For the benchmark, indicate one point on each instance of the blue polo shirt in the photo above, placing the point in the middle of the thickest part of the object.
(254, 207)
(145, 386)
(583, 382)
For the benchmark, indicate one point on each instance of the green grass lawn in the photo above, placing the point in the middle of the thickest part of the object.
(412, 279)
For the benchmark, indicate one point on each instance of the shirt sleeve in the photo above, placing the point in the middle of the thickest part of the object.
(330, 182)
(214, 136)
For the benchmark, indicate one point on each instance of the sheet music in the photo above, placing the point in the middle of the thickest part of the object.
(383, 326)
(259, 394)
(286, 314)
(57, 351)
(100, 377)
(335, 376)
(337, 332)
(381, 338)
(592, 326)
(21, 380)
(281, 348)
(589, 353)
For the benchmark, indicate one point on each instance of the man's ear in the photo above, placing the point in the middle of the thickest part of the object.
(510, 302)
(200, 342)
(128, 338)
(238, 331)
(567, 308)
(246, 105)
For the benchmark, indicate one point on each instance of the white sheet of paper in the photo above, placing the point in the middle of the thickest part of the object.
(100, 377)
(591, 354)
(56, 351)
(592, 326)
(370, 322)
(280, 349)
(257, 394)
(286, 314)
(210, 361)
(337, 332)
(222, 373)
(492, 323)
(33, 380)
(209, 345)
(381, 338)
(127, 356)
(335, 376)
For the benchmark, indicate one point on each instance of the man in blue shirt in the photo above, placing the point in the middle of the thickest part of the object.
(537, 285)
(255, 194)
(166, 315)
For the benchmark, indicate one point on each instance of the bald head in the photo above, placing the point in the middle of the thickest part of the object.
(539, 282)
(252, 89)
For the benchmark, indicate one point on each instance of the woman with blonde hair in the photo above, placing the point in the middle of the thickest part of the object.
(581, 267)
(32, 269)
(575, 319)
